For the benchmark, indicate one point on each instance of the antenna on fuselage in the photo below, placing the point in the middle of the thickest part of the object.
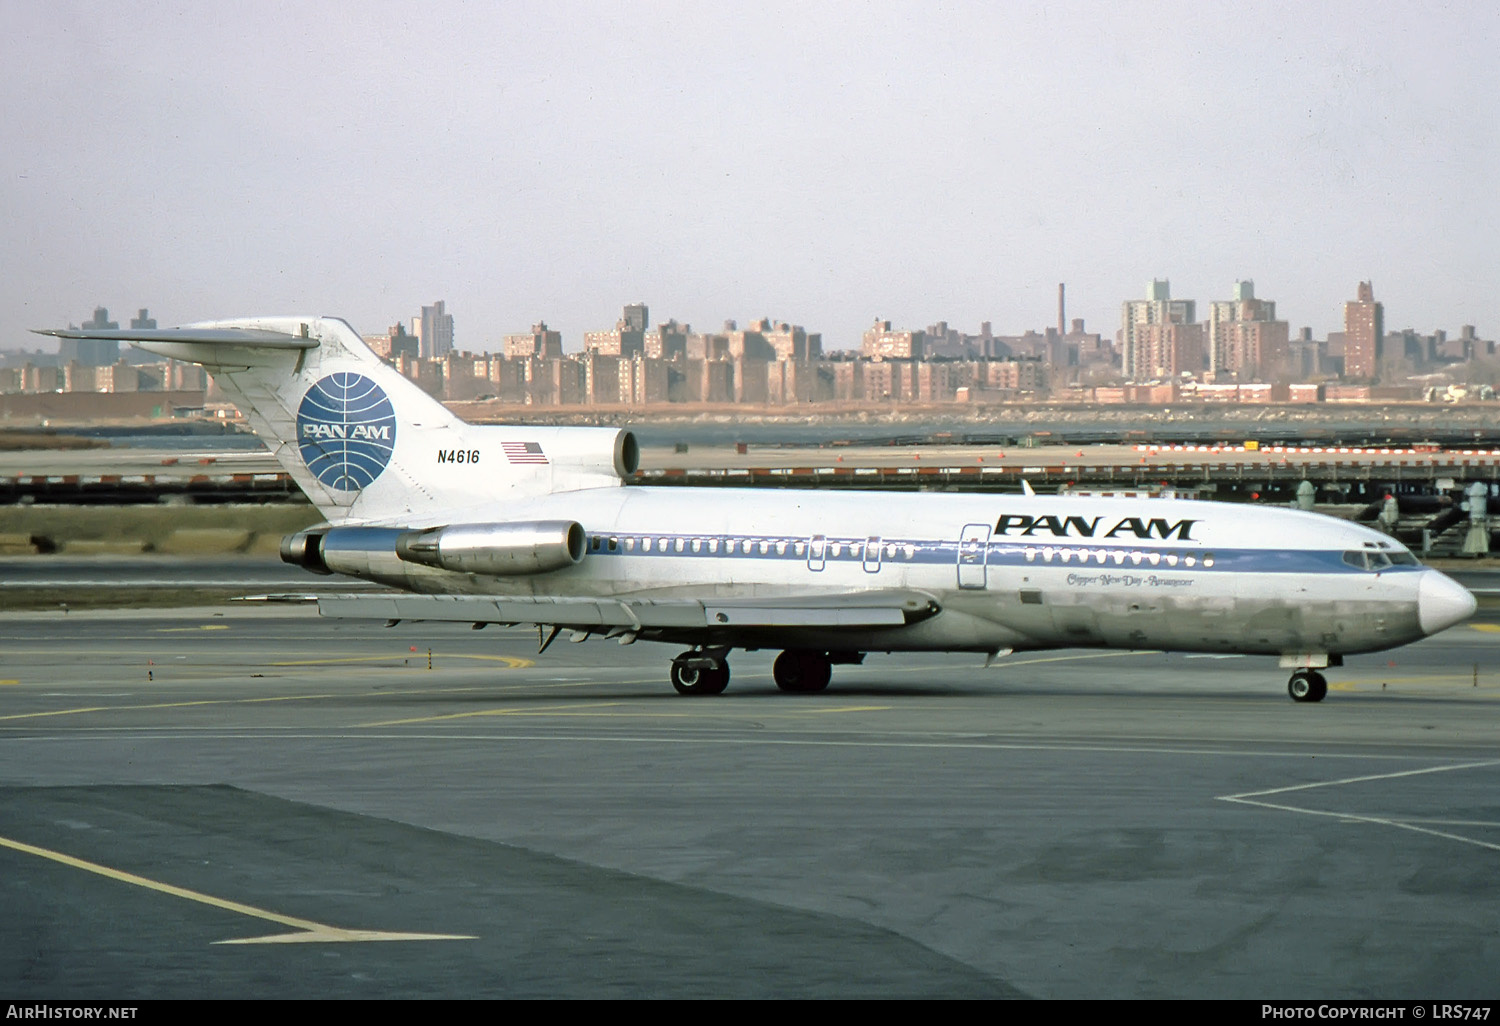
(1026, 488)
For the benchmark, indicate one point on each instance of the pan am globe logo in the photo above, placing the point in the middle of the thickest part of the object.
(346, 431)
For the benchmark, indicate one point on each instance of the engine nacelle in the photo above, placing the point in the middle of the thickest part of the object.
(368, 552)
(305, 549)
(502, 550)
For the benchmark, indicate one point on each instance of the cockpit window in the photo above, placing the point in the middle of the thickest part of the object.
(1377, 561)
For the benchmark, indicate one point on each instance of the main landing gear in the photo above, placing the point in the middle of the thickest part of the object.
(1307, 686)
(700, 673)
(801, 671)
(705, 671)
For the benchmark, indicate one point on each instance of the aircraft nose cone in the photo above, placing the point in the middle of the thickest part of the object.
(1442, 602)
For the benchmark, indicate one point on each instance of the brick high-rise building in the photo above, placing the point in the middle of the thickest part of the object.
(1245, 340)
(1364, 331)
(881, 343)
(667, 341)
(628, 339)
(1158, 335)
(791, 341)
(540, 341)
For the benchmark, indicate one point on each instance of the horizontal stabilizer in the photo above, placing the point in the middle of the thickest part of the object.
(258, 338)
(855, 609)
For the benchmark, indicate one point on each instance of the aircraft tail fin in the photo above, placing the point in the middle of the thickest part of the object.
(366, 443)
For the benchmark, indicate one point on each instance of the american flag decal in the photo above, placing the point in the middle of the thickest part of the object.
(523, 452)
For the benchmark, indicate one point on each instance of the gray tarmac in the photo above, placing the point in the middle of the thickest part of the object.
(250, 801)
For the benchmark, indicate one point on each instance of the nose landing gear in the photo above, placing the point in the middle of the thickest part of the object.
(1307, 686)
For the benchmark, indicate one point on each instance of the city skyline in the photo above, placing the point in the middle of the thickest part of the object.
(824, 166)
(497, 338)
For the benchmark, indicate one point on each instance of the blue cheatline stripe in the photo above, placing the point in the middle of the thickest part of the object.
(927, 552)
(911, 551)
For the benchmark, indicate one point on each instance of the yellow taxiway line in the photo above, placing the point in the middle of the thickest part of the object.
(306, 931)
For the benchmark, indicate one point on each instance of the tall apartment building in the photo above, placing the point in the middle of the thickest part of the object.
(1364, 331)
(1245, 340)
(93, 352)
(540, 341)
(709, 345)
(628, 339)
(393, 343)
(881, 343)
(666, 341)
(1159, 337)
(791, 341)
(434, 331)
(942, 341)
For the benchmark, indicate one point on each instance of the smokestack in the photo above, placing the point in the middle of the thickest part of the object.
(1062, 322)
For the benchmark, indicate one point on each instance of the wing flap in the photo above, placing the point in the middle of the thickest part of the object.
(855, 609)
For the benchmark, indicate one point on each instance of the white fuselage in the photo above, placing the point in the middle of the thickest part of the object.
(1008, 571)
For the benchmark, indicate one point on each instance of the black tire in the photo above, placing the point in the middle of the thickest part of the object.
(690, 680)
(801, 672)
(716, 680)
(1307, 686)
(1319, 687)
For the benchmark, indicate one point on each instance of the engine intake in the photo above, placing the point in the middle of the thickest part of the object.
(502, 550)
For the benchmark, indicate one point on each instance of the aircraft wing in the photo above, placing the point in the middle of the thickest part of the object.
(845, 609)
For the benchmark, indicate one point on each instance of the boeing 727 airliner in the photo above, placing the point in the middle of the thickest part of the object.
(536, 525)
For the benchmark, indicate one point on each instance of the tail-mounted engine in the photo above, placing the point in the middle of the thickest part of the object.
(501, 550)
(390, 554)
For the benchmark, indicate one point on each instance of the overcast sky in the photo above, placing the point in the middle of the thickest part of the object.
(823, 164)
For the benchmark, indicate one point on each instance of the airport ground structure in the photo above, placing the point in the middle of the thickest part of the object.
(1441, 501)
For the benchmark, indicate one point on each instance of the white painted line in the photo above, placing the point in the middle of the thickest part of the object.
(1399, 822)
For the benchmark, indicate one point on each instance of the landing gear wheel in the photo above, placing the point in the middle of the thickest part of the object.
(1307, 686)
(801, 672)
(694, 680)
